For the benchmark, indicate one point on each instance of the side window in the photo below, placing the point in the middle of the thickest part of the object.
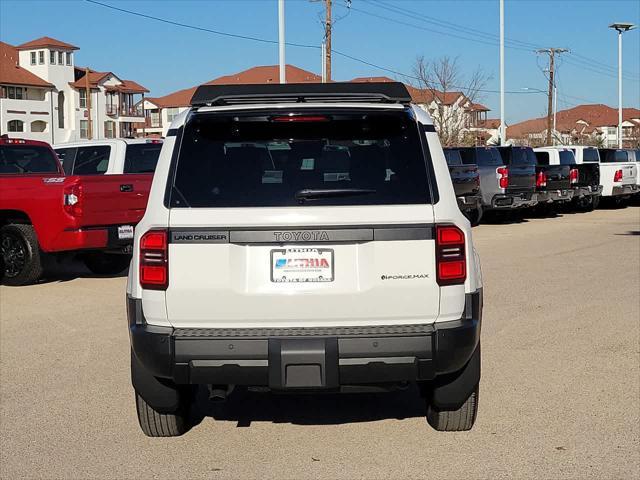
(92, 160)
(67, 156)
(41, 57)
(60, 58)
(33, 58)
(142, 157)
(52, 57)
(542, 158)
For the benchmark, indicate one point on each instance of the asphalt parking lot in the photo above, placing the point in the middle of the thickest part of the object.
(560, 393)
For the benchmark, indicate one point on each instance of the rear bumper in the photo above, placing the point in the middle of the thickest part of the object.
(507, 201)
(549, 196)
(469, 202)
(579, 192)
(624, 189)
(98, 238)
(304, 358)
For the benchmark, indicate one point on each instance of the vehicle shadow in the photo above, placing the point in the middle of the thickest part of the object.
(503, 218)
(630, 232)
(245, 407)
(71, 269)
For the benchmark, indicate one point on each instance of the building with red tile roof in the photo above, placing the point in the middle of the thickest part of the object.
(44, 96)
(594, 123)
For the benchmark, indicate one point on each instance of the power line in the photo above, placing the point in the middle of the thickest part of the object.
(264, 40)
(595, 65)
(202, 29)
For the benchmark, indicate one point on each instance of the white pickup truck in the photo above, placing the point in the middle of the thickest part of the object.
(618, 175)
(109, 157)
(303, 238)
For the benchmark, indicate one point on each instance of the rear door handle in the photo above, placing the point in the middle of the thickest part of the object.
(127, 187)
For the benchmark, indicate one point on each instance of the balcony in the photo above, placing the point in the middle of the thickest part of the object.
(111, 110)
(127, 111)
(150, 122)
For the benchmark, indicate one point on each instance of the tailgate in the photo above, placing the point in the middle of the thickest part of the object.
(522, 178)
(276, 275)
(113, 199)
(628, 173)
(588, 174)
(557, 176)
(465, 179)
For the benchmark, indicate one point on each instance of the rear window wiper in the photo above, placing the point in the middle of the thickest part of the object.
(315, 193)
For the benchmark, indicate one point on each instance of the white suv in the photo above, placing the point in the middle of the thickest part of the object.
(303, 237)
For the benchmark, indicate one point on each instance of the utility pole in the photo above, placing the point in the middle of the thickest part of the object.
(283, 74)
(620, 27)
(327, 34)
(502, 125)
(88, 87)
(552, 54)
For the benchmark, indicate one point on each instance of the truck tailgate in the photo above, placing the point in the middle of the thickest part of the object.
(557, 176)
(113, 199)
(522, 178)
(465, 179)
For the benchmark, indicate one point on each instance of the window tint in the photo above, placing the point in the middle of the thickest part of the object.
(567, 157)
(253, 160)
(609, 155)
(142, 157)
(67, 156)
(542, 158)
(92, 160)
(518, 156)
(590, 155)
(27, 159)
(621, 156)
(453, 157)
(488, 157)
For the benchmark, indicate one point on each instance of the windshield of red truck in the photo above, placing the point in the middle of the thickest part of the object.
(21, 159)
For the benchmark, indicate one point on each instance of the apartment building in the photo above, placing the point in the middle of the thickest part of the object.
(594, 124)
(45, 96)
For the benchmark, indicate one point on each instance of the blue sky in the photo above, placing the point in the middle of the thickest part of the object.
(166, 58)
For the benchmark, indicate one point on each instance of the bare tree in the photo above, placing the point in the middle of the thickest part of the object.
(439, 80)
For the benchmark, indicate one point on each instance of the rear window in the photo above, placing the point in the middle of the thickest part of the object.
(91, 160)
(567, 157)
(611, 155)
(326, 158)
(453, 157)
(518, 156)
(20, 159)
(590, 155)
(488, 157)
(542, 158)
(142, 157)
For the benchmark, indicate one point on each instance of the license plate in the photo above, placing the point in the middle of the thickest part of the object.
(302, 265)
(125, 232)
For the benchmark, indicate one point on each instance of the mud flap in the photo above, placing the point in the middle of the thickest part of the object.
(449, 392)
(162, 395)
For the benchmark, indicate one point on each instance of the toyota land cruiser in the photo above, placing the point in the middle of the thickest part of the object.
(303, 238)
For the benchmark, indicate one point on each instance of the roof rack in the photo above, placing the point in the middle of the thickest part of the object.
(335, 92)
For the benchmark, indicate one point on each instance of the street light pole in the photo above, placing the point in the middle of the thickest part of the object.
(502, 125)
(283, 76)
(555, 112)
(620, 27)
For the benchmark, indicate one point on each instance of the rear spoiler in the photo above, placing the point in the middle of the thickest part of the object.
(239, 94)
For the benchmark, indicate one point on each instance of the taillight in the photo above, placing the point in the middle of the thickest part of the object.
(451, 263)
(573, 175)
(503, 176)
(300, 118)
(72, 199)
(541, 179)
(154, 260)
(617, 177)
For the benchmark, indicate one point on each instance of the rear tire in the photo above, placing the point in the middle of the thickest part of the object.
(106, 263)
(22, 260)
(457, 420)
(156, 424)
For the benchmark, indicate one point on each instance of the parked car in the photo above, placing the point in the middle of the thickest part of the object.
(305, 238)
(555, 174)
(44, 213)
(634, 156)
(617, 175)
(587, 190)
(466, 185)
(109, 157)
(496, 192)
(516, 178)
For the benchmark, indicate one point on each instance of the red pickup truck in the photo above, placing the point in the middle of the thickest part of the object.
(45, 214)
